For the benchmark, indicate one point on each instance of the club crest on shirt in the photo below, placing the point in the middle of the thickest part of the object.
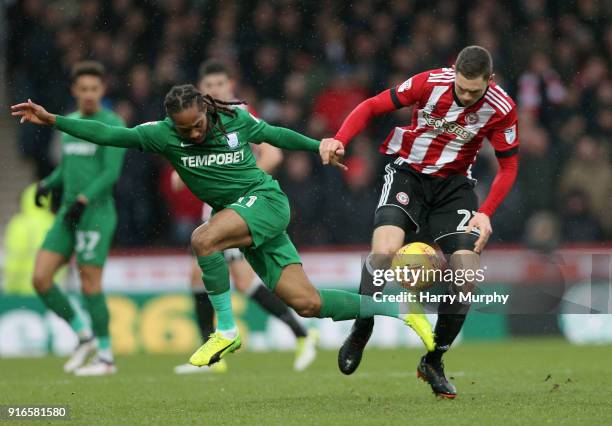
(471, 118)
(510, 134)
(402, 198)
(429, 108)
(232, 140)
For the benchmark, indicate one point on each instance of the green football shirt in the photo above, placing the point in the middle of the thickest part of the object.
(219, 170)
(223, 167)
(86, 168)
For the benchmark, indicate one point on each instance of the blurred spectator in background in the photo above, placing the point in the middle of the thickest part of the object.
(537, 170)
(359, 194)
(25, 233)
(540, 89)
(579, 224)
(334, 103)
(147, 104)
(305, 198)
(308, 63)
(589, 173)
(542, 233)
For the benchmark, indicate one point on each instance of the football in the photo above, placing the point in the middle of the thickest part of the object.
(420, 260)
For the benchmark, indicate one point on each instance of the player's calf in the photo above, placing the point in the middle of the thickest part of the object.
(386, 241)
(306, 307)
(42, 282)
(451, 317)
(47, 263)
(95, 303)
(303, 297)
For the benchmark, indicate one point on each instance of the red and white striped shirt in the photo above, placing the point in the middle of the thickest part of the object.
(444, 136)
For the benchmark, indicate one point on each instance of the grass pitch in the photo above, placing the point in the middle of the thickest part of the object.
(517, 382)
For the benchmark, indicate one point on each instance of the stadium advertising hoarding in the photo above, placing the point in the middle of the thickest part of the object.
(152, 310)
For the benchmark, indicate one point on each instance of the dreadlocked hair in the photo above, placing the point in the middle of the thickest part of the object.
(181, 97)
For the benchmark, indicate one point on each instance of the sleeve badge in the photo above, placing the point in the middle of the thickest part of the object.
(510, 135)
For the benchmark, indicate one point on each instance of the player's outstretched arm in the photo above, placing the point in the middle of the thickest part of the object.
(332, 150)
(281, 137)
(360, 117)
(289, 139)
(89, 130)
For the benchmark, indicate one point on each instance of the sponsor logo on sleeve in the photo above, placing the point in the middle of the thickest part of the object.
(510, 134)
(406, 85)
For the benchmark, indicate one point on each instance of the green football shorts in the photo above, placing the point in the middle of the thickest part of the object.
(267, 216)
(92, 238)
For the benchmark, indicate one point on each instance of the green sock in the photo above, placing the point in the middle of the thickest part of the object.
(215, 275)
(341, 305)
(223, 308)
(78, 325)
(104, 343)
(96, 306)
(56, 300)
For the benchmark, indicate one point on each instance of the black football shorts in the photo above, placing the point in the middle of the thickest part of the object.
(441, 207)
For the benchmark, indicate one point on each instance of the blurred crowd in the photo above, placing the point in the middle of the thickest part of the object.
(305, 64)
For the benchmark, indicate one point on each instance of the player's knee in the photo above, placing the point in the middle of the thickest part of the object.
(308, 308)
(387, 248)
(202, 241)
(386, 242)
(41, 281)
(464, 259)
(382, 254)
(466, 265)
(89, 287)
